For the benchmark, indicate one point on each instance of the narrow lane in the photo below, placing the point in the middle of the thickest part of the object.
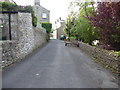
(57, 66)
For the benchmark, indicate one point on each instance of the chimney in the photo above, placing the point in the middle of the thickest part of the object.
(37, 2)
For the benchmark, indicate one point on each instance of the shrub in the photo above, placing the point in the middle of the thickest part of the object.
(7, 6)
(28, 9)
(34, 21)
(47, 37)
(107, 19)
(47, 26)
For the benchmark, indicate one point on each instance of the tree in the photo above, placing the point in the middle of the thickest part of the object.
(107, 19)
(80, 28)
(69, 24)
(86, 32)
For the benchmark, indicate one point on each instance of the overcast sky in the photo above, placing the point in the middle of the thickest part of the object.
(58, 8)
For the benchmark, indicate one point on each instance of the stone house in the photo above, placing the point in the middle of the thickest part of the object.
(42, 13)
(59, 28)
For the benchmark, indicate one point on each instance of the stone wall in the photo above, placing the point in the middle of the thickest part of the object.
(106, 58)
(0, 26)
(25, 34)
(9, 52)
(39, 37)
(0, 54)
(25, 39)
(14, 26)
(5, 29)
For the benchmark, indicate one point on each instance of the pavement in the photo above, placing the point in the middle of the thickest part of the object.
(58, 66)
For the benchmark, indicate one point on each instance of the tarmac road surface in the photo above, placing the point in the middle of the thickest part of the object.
(58, 66)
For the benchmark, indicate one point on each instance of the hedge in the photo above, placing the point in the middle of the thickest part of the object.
(34, 21)
(7, 6)
(47, 26)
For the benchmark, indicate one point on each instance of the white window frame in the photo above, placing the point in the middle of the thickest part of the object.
(44, 15)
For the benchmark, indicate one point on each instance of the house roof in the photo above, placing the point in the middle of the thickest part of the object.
(45, 8)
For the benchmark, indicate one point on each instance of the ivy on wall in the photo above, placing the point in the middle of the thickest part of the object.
(34, 21)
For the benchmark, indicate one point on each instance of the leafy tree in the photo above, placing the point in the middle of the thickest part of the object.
(107, 19)
(86, 32)
(69, 24)
(47, 26)
(79, 25)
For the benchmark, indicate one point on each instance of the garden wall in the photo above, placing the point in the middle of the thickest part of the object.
(106, 58)
(25, 38)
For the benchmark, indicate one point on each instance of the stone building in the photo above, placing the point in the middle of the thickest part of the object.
(42, 13)
(59, 28)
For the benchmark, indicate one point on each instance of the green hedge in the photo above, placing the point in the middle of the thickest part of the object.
(7, 6)
(34, 21)
(47, 26)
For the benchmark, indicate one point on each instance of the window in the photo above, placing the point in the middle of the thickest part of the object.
(44, 15)
(37, 7)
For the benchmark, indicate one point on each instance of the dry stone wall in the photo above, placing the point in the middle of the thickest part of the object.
(106, 58)
(39, 37)
(25, 39)
(25, 34)
(0, 54)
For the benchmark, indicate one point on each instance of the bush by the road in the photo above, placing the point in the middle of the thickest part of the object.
(47, 26)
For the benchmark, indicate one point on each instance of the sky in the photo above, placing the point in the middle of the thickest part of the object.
(58, 8)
